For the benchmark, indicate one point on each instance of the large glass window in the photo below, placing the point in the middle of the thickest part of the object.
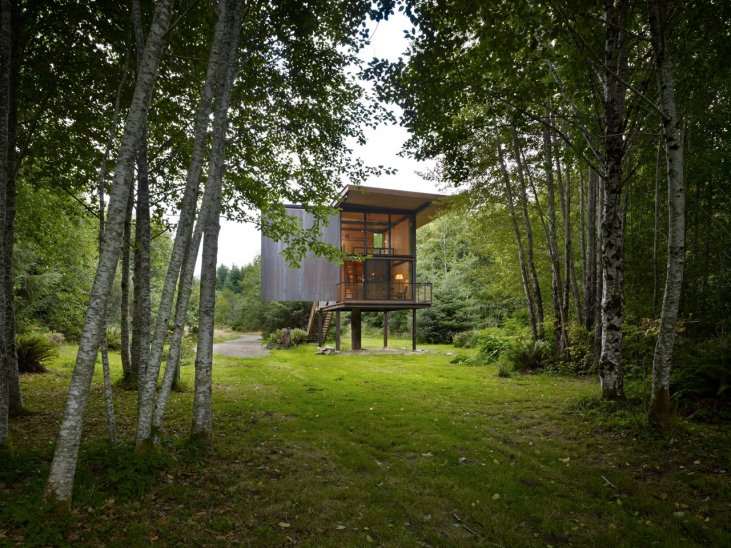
(352, 225)
(401, 231)
(378, 240)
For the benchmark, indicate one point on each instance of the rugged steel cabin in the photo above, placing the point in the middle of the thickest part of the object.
(376, 230)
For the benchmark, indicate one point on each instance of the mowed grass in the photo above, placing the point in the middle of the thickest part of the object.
(368, 450)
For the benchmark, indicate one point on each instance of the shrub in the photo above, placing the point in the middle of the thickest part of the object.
(491, 345)
(503, 371)
(34, 350)
(527, 355)
(286, 338)
(465, 339)
(299, 336)
(56, 339)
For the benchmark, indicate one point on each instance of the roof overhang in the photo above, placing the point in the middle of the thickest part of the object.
(426, 206)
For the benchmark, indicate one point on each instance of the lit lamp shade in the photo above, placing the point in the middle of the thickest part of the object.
(399, 276)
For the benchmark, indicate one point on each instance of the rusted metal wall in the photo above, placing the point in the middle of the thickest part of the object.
(315, 280)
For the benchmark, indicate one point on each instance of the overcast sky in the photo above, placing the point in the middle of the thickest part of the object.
(240, 243)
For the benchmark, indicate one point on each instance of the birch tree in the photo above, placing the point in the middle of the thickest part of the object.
(63, 467)
(659, 410)
(202, 426)
(181, 244)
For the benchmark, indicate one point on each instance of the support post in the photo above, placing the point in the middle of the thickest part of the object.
(355, 329)
(413, 329)
(385, 329)
(337, 330)
(319, 328)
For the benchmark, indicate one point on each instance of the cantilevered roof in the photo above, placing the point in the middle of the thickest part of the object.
(426, 206)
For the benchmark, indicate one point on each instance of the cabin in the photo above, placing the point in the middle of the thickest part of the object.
(376, 230)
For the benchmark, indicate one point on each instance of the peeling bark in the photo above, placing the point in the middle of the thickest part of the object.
(659, 411)
(63, 467)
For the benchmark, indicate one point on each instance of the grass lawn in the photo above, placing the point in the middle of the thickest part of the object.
(368, 450)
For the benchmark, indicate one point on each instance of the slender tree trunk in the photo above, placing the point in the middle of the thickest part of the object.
(111, 421)
(568, 245)
(202, 427)
(519, 244)
(590, 276)
(599, 287)
(141, 312)
(531, 265)
(128, 366)
(15, 396)
(4, 176)
(558, 317)
(659, 411)
(656, 236)
(183, 231)
(63, 467)
(172, 367)
(611, 375)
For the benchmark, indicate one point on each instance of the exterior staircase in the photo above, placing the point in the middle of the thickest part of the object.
(313, 335)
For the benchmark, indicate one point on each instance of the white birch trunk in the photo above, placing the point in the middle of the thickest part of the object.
(531, 265)
(611, 375)
(659, 411)
(183, 231)
(141, 312)
(519, 244)
(202, 426)
(63, 467)
(172, 366)
(558, 318)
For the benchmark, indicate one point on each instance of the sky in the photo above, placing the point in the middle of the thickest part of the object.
(239, 243)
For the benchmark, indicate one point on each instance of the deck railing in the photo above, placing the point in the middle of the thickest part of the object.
(418, 293)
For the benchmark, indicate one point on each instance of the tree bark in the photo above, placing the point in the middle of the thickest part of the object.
(531, 265)
(141, 312)
(202, 427)
(111, 421)
(519, 244)
(590, 268)
(172, 367)
(656, 236)
(63, 467)
(4, 175)
(659, 411)
(611, 374)
(128, 367)
(15, 396)
(183, 232)
(558, 308)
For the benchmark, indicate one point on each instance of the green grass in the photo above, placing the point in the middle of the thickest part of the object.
(374, 449)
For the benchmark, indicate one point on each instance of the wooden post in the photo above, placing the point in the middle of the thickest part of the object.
(385, 329)
(319, 328)
(337, 330)
(413, 329)
(355, 329)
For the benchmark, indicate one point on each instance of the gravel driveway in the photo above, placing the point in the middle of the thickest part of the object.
(246, 346)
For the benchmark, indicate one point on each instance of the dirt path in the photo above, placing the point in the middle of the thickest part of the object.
(246, 346)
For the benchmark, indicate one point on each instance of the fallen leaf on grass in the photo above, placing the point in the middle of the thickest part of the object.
(283, 524)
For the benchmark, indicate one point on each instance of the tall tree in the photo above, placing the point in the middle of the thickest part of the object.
(659, 410)
(4, 176)
(63, 467)
(202, 426)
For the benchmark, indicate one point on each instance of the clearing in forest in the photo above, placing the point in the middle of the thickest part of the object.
(378, 449)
